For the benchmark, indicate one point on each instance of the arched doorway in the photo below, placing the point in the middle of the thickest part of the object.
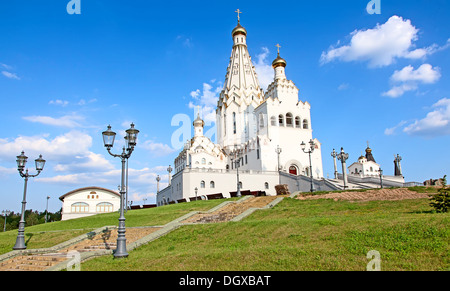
(293, 170)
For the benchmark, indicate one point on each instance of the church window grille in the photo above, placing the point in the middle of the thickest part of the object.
(212, 184)
(273, 121)
(266, 185)
(289, 119)
(305, 124)
(281, 120)
(202, 184)
(297, 122)
(234, 122)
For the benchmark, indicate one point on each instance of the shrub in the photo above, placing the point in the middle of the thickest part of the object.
(441, 201)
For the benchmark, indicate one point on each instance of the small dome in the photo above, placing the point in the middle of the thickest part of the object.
(239, 30)
(198, 121)
(279, 61)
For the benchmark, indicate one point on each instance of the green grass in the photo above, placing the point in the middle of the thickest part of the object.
(294, 235)
(303, 235)
(50, 234)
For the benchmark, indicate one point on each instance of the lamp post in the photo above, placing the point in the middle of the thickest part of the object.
(309, 151)
(157, 183)
(342, 156)
(237, 151)
(380, 171)
(46, 209)
(334, 155)
(108, 140)
(169, 169)
(278, 150)
(5, 213)
(21, 161)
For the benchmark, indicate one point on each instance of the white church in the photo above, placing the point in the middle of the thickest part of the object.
(265, 138)
(259, 135)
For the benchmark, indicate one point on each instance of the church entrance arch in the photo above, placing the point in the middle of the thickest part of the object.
(293, 170)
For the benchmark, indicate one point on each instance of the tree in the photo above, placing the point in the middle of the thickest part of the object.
(441, 201)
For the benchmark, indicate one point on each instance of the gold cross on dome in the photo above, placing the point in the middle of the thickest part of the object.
(238, 12)
(278, 47)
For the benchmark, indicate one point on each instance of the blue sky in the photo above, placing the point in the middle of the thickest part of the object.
(382, 78)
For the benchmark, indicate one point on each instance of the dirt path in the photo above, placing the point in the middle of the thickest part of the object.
(370, 195)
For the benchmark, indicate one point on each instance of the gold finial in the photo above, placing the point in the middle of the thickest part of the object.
(238, 12)
(278, 47)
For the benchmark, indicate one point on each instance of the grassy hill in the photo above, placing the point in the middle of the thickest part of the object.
(293, 235)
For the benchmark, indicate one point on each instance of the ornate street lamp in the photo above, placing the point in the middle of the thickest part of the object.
(5, 213)
(108, 140)
(334, 155)
(380, 171)
(21, 162)
(309, 151)
(169, 169)
(278, 150)
(342, 156)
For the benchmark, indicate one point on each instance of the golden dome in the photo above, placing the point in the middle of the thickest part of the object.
(239, 30)
(279, 61)
(199, 121)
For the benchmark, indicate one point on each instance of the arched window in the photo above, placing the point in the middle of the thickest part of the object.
(80, 207)
(203, 161)
(261, 120)
(225, 124)
(266, 185)
(281, 120)
(240, 185)
(212, 184)
(273, 121)
(202, 184)
(305, 124)
(234, 122)
(289, 120)
(104, 207)
(297, 122)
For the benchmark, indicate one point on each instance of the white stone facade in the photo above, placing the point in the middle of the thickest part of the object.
(89, 201)
(251, 125)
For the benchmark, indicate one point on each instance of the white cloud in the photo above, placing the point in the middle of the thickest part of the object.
(424, 74)
(62, 103)
(391, 131)
(206, 99)
(436, 123)
(10, 75)
(157, 149)
(381, 45)
(70, 121)
(67, 145)
(264, 69)
(410, 78)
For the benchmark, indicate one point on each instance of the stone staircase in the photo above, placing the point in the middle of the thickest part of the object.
(103, 242)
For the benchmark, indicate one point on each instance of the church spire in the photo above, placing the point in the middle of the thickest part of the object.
(241, 92)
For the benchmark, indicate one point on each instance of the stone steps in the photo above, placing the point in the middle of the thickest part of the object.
(106, 240)
(103, 241)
